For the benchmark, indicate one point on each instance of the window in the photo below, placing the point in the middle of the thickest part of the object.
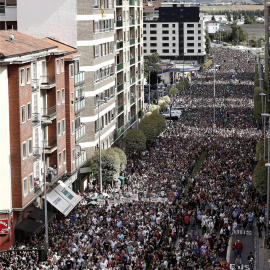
(199, 25)
(190, 25)
(31, 182)
(165, 51)
(71, 98)
(71, 71)
(173, 51)
(165, 38)
(190, 44)
(59, 128)
(36, 137)
(22, 75)
(165, 44)
(63, 95)
(29, 111)
(153, 38)
(23, 114)
(165, 32)
(59, 160)
(173, 44)
(173, 25)
(24, 152)
(58, 97)
(153, 44)
(62, 65)
(153, 32)
(165, 25)
(25, 187)
(173, 38)
(199, 38)
(73, 155)
(30, 147)
(190, 51)
(153, 25)
(199, 44)
(11, 2)
(28, 75)
(144, 32)
(153, 51)
(64, 156)
(73, 127)
(63, 126)
(190, 38)
(199, 31)
(57, 66)
(144, 38)
(190, 31)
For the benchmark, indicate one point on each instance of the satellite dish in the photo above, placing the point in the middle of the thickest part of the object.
(11, 37)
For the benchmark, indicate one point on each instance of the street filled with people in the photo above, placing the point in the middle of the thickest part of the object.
(179, 218)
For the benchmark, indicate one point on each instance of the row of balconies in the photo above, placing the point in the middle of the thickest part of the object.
(132, 41)
(131, 2)
(132, 22)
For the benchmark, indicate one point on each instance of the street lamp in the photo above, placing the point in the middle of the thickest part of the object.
(268, 175)
(137, 100)
(214, 124)
(44, 124)
(149, 94)
(99, 126)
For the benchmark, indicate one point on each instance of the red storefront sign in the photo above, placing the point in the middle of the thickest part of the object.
(4, 226)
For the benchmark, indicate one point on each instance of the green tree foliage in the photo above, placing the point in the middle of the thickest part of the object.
(160, 122)
(207, 44)
(182, 84)
(135, 140)
(162, 103)
(248, 20)
(149, 127)
(122, 157)
(260, 150)
(154, 108)
(173, 91)
(167, 99)
(260, 177)
(228, 15)
(238, 33)
(152, 62)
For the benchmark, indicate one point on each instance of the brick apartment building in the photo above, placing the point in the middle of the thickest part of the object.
(41, 87)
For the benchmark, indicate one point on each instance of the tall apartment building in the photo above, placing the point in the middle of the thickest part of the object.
(267, 35)
(177, 34)
(8, 14)
(41, 87)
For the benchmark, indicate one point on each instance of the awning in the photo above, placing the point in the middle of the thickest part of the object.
(39, 214)
(63, 198)
(29, 225)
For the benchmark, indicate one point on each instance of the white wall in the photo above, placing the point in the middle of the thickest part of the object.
(50, 18)
(10, 14)
(5, 174)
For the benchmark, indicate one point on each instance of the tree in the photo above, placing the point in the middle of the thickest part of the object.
(213, 18)
(229, 18)
(207, 44)
(260, 177)
(152, 62)
(173, 91)
(182, 84)
(154, 108)
(167, 99)
(162, 103)
(260, 150)
(154, 78)
(238, 33)
(160, 122)
(248, 20)
(149, 127)
(110, 164)
(135, 140)
(122, 157)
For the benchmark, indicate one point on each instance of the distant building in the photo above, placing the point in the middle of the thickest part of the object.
(212, 26)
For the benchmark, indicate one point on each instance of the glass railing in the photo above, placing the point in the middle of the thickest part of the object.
(131, 2)
(119, 45)
(79, 105)
(119, 23)
(80, 132)
(120, 87)
(132, 41)
(132, 119)
(139, 21)
(49, 112)
(81, 159)
(132, 100)
(120, 131)
(132, 61)
(131, 21)
(119, 2)
(79, 78)
(139, 76)
(132, 80)
(120, 108)
(119, 66)
(138, 2)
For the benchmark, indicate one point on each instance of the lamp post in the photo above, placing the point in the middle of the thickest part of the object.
(149, 94)
(214, 124)
(44, 124)
(263, 111)
(99, 127)
(137, 100)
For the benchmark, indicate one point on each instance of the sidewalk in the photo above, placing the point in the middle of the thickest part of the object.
(261, 253)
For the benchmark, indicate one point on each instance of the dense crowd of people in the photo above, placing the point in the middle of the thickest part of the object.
(192, 225)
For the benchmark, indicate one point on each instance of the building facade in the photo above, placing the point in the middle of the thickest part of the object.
(178, 33)
(267, 35)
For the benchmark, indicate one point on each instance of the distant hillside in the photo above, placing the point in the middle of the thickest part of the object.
(210, 9)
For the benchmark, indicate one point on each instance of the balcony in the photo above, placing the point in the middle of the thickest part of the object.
(2, 9)
(120, 131)
(132, 61)
(138, 21)
(79, 105)
(132, 119)
(80, 132)
(132, 41)
(80, 159)
(139, 76)
(132, 100)
(52, 175)
(35, 85)
(37, 153)
(120, 109)
(132, 80)
(47, 82)
(119, 66)
(49, 113)
(119, 2)
(131, 2)
(79, 78)
(35, 119)
(119, 23)
(50, 145)
(138, 2)
(119, 45)
(131, 21)
(120, 88)
(139, 58)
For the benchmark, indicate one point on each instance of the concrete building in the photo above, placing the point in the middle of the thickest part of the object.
(38, 86)
(8, 14)
(267, 36)
(212, 26)
(178, 34)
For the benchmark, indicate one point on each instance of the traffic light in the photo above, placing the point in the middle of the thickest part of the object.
(228, 114)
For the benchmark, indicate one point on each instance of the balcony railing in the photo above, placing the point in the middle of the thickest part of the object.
(120, 87)
(47, 81)
(139, 58)
(132, 41)
(131, 21)
(37, 152)
(52, 175)
(119, 23)
(132, 119)
(80, 132)
(119, 66)
(79, 78)
(120, 131)
(80, 159)
(119, 45)
(138, 2)
(131, 2)
(35, 85)
(132, 100)
(132, 80)
(138, 20)
(49, 144)
(49, 112)
(139, 76)
(79, 105)
(132, 61)
(119, 2)
(35, 119)
(120, 108)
